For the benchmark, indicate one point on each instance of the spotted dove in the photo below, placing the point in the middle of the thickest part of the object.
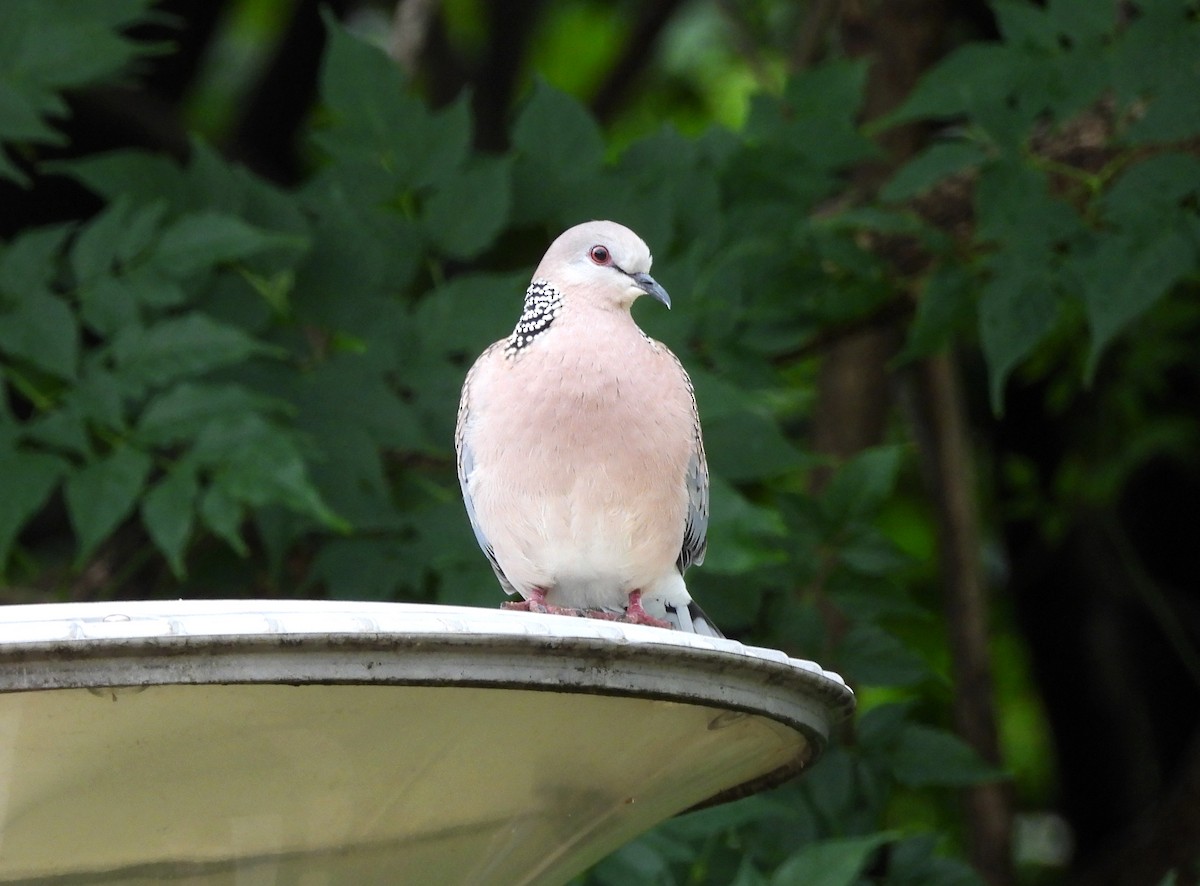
(579, 448)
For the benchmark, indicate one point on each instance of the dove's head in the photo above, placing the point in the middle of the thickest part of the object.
(603, 262)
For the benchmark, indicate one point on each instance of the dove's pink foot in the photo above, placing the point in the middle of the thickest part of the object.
(635, 614)
(536, 602)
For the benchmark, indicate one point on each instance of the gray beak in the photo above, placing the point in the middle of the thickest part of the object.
(650, 286)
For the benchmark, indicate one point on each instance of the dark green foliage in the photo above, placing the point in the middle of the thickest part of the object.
(47, 46)
(225, 362)
(1054, 233)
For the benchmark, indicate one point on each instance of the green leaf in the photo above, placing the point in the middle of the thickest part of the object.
(99, 399)
(1073, 81)
(675, 188)
(915, 861)
(974, 77)
(24, 114)
(444, 145)
(466, 214)
(63, 429)
(27, 479)
(870, 655)
(168, 512)
(557, 135)
(377, 122)
(143, 177)
(57, 44)
(469, 312)
(749, 875)
(871, 553)
(362, 568)
(1016, 311)
(830, 862)
(929, 757)
(1022, 22)
(746, 445)
(816, 120)
(258, 464)
(757, 810)
(1151, 209)
(830, 788)
(1159, 186)
(946, 306)
(880, 728)
(152, 286)
(1125, 277)
(141, 229)
(1058, 28)
(377, 406)
(1155, 61)
(181, 413)
(930, 166)
(1015, 208)
(102, 494)
(361, 86)
(635, 862)
(184, 346)
(95, 249)
(47, 46)
(222, 513)
(352, 476)
(28, 263)
(740, 533)
(200, 241)
(920, 756)
(352, 70)
(43, 330)
(1081, 20)
(107, 305)
(861, 485)
(358, 249)
(832, 91)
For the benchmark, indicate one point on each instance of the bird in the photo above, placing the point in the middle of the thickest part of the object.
(579, 449)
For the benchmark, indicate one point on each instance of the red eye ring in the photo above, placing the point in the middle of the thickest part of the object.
(600, 255)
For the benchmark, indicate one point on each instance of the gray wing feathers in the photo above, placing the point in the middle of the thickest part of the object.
(695, 533)
(466, 465)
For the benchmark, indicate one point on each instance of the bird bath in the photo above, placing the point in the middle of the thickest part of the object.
(218, 741)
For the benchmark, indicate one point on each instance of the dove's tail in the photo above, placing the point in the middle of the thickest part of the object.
(693, 619)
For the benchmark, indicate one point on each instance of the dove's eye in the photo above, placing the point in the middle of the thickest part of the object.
(600, 255)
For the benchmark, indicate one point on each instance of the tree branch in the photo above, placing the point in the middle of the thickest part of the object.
(634, 58)
(265, 135)
(949, 469)
(807, 47)
(411, 21)
(744, 41)
(511, 24)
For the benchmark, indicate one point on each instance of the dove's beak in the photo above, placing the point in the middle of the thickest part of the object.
(650, 286)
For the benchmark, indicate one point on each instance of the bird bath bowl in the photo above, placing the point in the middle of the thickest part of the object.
(218, 741)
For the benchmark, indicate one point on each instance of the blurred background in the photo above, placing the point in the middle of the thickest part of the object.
(935, 268)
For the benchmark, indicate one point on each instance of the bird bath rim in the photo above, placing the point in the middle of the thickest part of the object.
(100, 645)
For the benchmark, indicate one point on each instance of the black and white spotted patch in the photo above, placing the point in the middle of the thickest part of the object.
(542, 304)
